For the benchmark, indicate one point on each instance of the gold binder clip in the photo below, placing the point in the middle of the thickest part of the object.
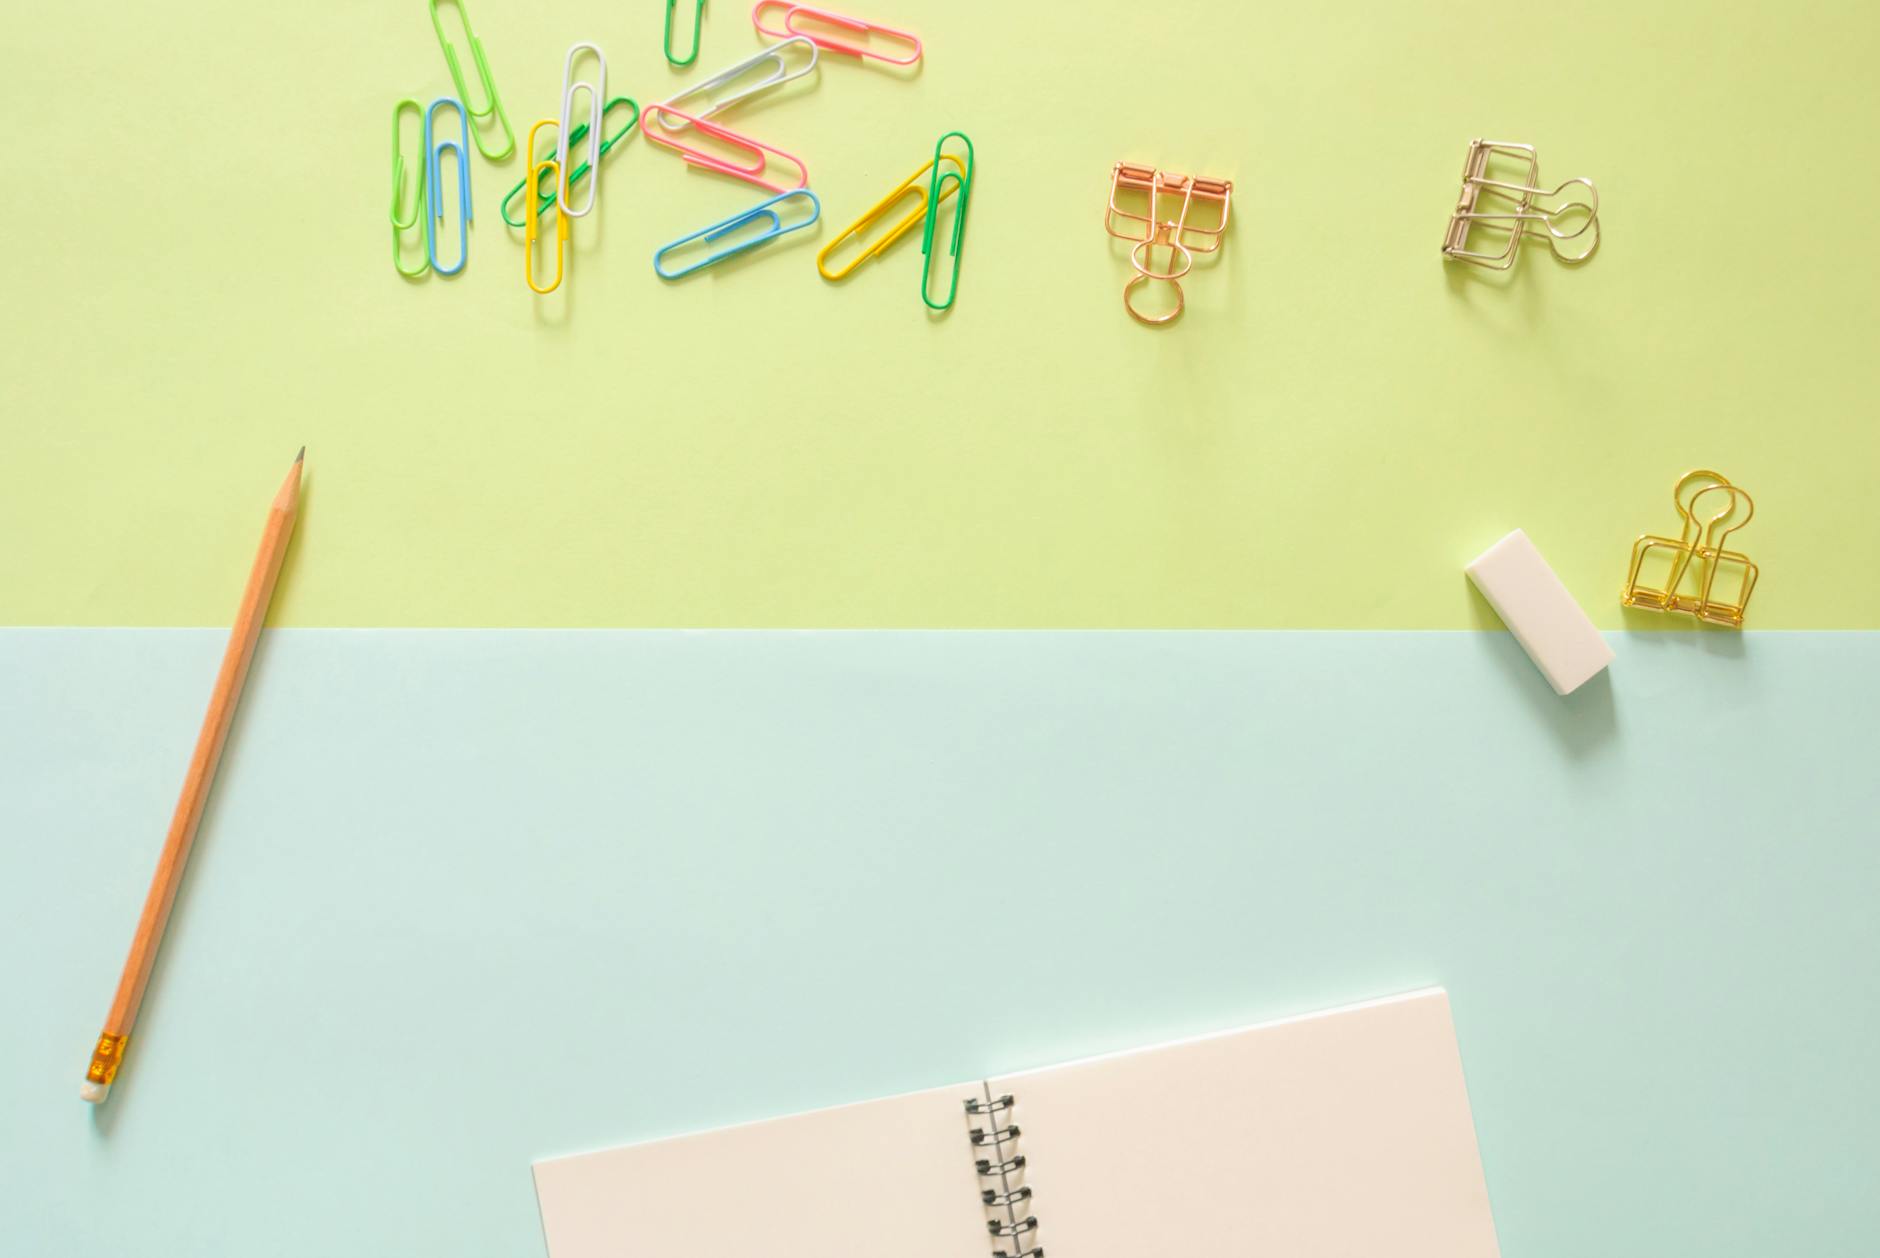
(1181, 213)
(1502, 198)
(1711, 509)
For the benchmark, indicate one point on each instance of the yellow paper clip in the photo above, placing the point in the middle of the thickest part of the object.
(1501, 196)
(532, 216)
(1710, 508)
(915, 185)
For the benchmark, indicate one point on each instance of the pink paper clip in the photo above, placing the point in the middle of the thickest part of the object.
(752, 173)
(829, 43)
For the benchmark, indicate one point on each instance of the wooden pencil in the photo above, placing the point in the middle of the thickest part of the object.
(108, 1056)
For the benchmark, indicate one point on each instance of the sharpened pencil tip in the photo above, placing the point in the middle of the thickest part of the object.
(302, 456)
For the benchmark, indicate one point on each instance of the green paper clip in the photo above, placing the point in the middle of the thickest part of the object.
(579, 134)
(698, 32)
(402, 223)
(495, 106)
(936, 189)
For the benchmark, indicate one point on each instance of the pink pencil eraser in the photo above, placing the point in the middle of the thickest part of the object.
(1531, 601)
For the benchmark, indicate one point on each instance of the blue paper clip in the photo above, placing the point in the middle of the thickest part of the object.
(434, 184)
(757, 213)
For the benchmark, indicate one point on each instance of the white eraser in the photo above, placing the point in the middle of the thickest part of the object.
(1537, 609)
(93, 1092)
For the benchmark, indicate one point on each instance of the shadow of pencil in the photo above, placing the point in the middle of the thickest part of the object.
(1581, 722)
(106, 1116)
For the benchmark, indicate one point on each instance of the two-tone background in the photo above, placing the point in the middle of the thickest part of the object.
(468, 898)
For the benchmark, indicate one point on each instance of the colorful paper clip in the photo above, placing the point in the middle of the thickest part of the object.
(495, 106)
(698, 32)
(1513, 208)
(404, 220)
(582, 168)
(936, 193)
(532, 217)
(1710, 508)
(435, 184)
(793, 13)
(597, 92)
(915, 184)
(659, 131)
(1195, 222)
(764, 212)
(782, 74)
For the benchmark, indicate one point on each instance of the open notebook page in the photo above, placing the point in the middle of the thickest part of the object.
(1344, 1134)
(884, 1177)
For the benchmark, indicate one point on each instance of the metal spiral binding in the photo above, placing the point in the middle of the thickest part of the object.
(1002, 1196)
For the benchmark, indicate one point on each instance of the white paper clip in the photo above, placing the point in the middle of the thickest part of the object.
(777, 78)
(597, 94)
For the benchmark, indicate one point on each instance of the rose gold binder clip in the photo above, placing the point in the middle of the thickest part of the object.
(1711, 509)
(1183, 214)
(1502, 202)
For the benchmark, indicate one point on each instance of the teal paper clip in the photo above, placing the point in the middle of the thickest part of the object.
(404, 220)
(763, 212)
(435, 183)
(581, 170)
(698, 32)
(495, 106)
(936, 185)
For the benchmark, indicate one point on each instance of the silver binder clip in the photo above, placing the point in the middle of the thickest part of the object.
(1503, 201)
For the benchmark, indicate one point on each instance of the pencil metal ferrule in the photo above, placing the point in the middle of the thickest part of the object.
(106, 1058)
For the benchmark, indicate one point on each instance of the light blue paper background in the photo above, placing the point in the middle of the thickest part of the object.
(466, 899)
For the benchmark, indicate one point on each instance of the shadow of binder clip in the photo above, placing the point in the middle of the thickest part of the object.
(404, 220)
(659, 123)
(434, 194)
(764, 213)
(1180, 213)
(896, 48)
(533, 211)
(486, 79)
(1517, 208)
(1710, 508)
(582, 167)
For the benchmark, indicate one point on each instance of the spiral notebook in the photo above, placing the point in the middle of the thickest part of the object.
(1345, 1133)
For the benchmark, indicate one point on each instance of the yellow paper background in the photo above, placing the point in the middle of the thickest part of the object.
(198, 282)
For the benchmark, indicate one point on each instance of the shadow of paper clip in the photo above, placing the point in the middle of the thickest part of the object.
(1154, 209)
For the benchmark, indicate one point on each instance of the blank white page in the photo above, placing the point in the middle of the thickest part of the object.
(891, 1176)
(1338, 1135)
